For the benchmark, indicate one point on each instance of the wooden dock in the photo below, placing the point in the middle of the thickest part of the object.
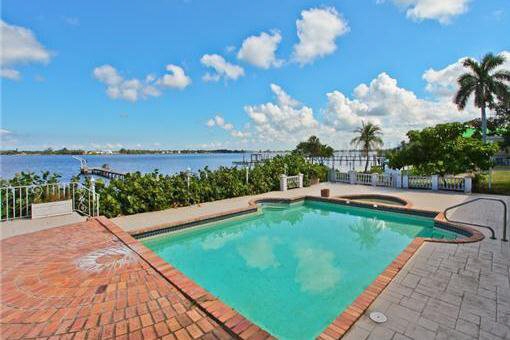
(102, 172)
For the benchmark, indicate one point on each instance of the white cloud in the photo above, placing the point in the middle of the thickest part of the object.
(19, 46)
(10, 73)
(119, 88)
(396, 109)
(221, 67)
(317, 32)
(220, 122)
(285, 120)
(440, 10)
(443, 82)
(176, 78)
(260, 50)
(5, 132)
(134, 89)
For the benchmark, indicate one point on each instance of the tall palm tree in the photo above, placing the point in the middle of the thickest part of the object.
(485, 82)
(369, 138)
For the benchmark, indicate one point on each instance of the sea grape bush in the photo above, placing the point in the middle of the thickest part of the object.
(154, 191)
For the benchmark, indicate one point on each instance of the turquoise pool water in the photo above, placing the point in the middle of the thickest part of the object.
(292, 269)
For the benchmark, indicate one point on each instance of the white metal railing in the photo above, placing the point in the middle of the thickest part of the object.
(420, 182)
(16, 201)
(384, 180)
(342, 177)
(291, 182)
(362, 178)
(451, 183)
(396, 180)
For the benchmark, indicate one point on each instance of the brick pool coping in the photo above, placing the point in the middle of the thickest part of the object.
(240, 326)
(236, 324)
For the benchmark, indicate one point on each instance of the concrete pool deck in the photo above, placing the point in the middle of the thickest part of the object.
(444, 291)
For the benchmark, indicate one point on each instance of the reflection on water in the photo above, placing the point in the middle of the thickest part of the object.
(217, 241)
(259, 253)
(366, 231)
(315, 270)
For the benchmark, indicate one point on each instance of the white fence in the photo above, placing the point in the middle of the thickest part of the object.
(418, 182)
(435, 182)
(17, 201)
(291, 182)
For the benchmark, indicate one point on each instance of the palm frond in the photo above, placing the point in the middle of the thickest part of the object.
(503, 75)
(491, 61)
(472, 64)
(466, 88)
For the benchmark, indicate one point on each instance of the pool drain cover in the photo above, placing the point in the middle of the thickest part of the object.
(378, 317)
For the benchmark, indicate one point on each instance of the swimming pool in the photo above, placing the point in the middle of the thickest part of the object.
(292, 269)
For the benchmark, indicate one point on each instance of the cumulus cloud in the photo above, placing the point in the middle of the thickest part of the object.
(317, 31)
(176, 77)
(19, 46)
(134, 89)
(222, 68)
(443, 82)
(220, 122)
(440, 10)
(128, 89)
(283, 120)
(259, 50)
(396, 109)
(10, 73)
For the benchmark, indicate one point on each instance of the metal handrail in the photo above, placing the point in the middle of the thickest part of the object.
(505, 209)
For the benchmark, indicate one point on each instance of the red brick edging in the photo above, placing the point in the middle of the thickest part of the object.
(237, 325)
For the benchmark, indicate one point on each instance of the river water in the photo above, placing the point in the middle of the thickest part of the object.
(67, 166)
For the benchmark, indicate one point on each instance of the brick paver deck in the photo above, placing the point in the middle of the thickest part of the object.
(82, 282)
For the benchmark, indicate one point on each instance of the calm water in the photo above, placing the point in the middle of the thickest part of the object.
(293, 269)
(68, 167)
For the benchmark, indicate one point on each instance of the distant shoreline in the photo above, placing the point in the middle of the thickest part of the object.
(69, 152)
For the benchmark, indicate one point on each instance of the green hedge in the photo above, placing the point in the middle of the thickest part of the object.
(137, 192)
(153, 191)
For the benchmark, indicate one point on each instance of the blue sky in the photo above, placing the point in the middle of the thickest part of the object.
(95, 74)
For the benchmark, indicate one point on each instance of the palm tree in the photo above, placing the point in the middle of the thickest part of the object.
(485, 82)
(369, 138)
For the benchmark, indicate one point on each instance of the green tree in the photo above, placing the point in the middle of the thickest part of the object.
(442, 149)
(369, 139)
(314, 148)
(485, 82)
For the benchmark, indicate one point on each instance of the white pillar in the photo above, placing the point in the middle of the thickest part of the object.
(468, 185)
(93, 185)
(352, 177)
(397, 180)
(435, 182)
(332, 175)
(405, 182)
(283, 182)
(374, 179)
(300, 180)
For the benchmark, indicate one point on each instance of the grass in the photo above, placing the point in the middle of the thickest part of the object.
(500, 182)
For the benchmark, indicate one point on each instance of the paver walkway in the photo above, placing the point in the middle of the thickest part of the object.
(81, 282)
